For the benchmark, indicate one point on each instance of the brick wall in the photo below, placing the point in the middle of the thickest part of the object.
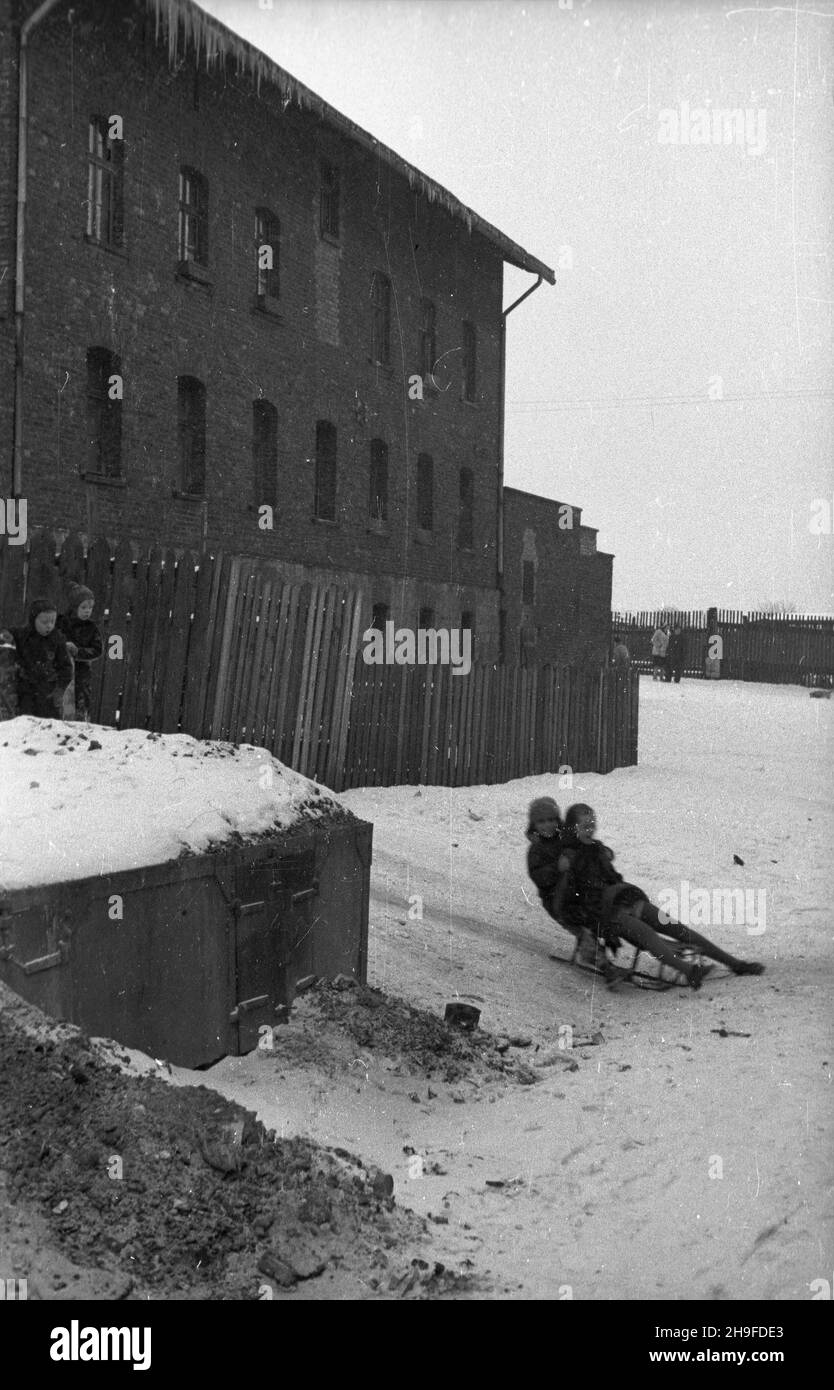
(570, 616)
(312, 362)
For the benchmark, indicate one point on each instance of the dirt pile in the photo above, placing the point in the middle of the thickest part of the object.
(185, 1194)
(425, 1043)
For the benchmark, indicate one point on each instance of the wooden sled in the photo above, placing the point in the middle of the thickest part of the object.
(623, 971)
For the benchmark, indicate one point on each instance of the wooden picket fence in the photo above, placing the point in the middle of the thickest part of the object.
(222, 647)
(776, 648)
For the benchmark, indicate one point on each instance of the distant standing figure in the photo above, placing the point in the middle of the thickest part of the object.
(621, 658)
(660, 643)
(84, 645)
(674, 656)
(667, 663)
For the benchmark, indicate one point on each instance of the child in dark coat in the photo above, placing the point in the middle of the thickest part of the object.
(44, 665)
(84, 644)
(544, 831)
(546, 868)
(613, 909)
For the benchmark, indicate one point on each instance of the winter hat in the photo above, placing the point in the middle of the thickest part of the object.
(78, 593)
(573, 813)
(543, 808)
(41, 605)
(6, 640)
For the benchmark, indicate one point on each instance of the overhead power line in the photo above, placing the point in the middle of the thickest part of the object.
(650, 402)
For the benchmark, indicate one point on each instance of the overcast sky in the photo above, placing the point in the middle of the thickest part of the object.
(677, 381)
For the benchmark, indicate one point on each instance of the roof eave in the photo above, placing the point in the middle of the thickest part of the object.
(219, 42)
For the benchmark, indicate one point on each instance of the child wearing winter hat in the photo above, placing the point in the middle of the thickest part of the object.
(8, 675)
(613, 909)
(544, 830)
(44, 665)
(84, 644)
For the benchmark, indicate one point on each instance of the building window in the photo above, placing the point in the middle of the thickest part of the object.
(192, 435)
(470, 362)
(378, 492)
(467, 621)
(329, 204)
(104, 414)
(380, 616)
(325, 502)
(381, 301)
(105, 185)
(428, 337)
(265, 453)
(425, 618)
(267, 253)
(193, 223)
(528, 582)
(466, 528)
(425, 493)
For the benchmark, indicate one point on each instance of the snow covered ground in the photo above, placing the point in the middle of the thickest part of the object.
(688, 1155)
(675, 1162)
(120, 800)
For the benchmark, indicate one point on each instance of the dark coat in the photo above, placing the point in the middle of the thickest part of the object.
(85, 635)
(595, 889)
(674, 651)
(44, 668)
(542, 858)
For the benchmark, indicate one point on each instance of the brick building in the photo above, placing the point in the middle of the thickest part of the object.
(230, 317)
(557, 591)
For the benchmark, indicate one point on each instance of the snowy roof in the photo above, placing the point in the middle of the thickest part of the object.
(182, 20)
(78, 800)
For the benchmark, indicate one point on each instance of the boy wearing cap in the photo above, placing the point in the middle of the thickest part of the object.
(44, 665)
(84, 643)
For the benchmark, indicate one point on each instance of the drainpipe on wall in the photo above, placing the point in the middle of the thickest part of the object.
(22, 155)
(502, 390)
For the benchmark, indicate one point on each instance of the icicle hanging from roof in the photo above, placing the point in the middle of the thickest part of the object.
(201, 32)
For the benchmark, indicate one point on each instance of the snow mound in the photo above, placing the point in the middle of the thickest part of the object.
(120, 799)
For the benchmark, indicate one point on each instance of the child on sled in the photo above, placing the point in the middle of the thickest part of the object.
(590, 891)
(544, 831)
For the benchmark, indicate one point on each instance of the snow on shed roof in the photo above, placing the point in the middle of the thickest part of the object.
(78, 800)
(182, 21)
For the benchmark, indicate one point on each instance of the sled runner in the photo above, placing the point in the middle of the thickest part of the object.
(620, 970)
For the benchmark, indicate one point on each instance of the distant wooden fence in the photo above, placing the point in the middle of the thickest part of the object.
(779, 649)
(222, 647)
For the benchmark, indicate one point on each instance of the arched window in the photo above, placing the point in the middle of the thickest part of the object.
(325, 498)
(425, 493)
(466, 528)
(267, 253)
(104, 414)
(378, 489)
(191, 402)
(193, 219)
(265, 453)
(381, 327)
(428, 337)
(105, 185)
(470, 362)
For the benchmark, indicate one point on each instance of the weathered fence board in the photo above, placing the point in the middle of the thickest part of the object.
(222, 647)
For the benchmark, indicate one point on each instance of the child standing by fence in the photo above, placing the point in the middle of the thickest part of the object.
(44, 665)
(84, 644)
